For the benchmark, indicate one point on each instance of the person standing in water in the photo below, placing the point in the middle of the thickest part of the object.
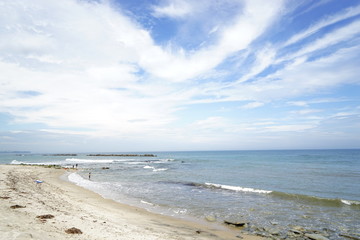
(89, 175)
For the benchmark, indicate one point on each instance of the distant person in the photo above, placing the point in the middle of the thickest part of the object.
(76, 165)
(89, 175)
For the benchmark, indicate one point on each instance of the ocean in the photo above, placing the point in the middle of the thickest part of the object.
(282, 189)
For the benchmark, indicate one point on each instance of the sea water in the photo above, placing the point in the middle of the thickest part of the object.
(314, 189)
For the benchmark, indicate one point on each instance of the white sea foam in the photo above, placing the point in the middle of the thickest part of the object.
(91, 185)
(16, 162)
(349, 202)
(237, 188)
(134, 163)
(145, 202)
(155, 169)
(164, 160)
(159, 169)
(77, 160)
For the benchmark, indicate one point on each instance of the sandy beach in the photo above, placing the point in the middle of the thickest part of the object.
(47, 210)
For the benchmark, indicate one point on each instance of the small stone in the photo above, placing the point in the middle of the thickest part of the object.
(298, 228)
(73, 230)
(349, 236)
(273, 231)
(47, 216)
(210, 218)
(315, 236)
(295, 231)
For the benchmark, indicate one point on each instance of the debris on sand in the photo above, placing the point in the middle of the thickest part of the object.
(73, 230)
(46, 216)
(17, 206)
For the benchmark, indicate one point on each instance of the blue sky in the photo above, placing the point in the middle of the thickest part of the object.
(160, 75)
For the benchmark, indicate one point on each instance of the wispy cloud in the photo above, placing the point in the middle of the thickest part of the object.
(329, 20)
(173, 9)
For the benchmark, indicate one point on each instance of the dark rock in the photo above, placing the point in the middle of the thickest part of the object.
(73, 230)
(17, 206)
(235, 223)
(296, 231)
(47, 216)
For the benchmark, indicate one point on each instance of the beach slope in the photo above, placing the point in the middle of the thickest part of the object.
(55, 209)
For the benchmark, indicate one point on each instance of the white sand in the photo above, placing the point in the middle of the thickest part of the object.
(73, 206)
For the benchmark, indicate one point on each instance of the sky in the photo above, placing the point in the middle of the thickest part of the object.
(178, 75)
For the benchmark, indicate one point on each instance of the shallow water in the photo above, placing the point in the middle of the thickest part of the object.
(315, 189)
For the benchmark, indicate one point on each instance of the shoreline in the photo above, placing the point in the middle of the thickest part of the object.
(74, 206)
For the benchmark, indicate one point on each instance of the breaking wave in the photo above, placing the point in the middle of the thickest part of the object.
(155, 169)
(313, 200)
(77, 160)
(236, 188)
(16, 162)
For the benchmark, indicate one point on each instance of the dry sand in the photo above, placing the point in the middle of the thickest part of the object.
(73, 206)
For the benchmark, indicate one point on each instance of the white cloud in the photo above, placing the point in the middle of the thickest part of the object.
(252, 105)
(173, 9)
(337, 36)
(236, 37)
(289, 128)
(348, 13)
(306, 111)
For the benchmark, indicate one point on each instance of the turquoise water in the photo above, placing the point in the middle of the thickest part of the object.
(316, 189)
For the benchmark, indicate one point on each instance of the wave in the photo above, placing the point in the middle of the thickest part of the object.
(314, 200)
(166, 160)
(16, 162)
(145, 202)
(237, 188)
(155, 169)
(350, 202)
(77, 160)
(219, 186)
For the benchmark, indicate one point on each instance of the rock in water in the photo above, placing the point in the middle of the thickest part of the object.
(235, 223)
(210, 218)
(316, 236)
(273, 231)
